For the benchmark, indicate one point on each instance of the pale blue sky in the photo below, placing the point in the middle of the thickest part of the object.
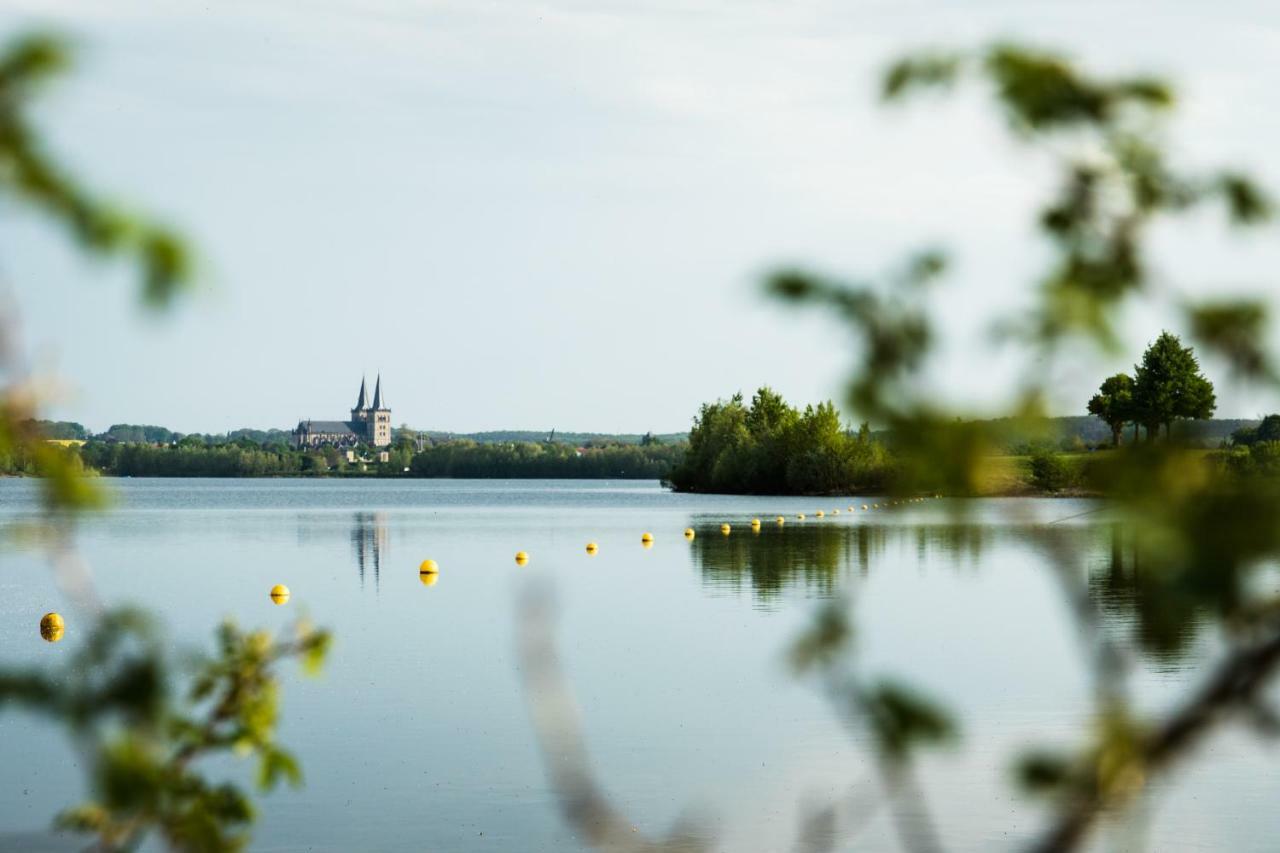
(537, 215)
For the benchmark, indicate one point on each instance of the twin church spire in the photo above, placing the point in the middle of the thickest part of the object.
(362, 403)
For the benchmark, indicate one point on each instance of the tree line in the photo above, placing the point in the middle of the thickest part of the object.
(513, 460)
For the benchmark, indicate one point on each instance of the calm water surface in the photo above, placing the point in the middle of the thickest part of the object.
(417, 736)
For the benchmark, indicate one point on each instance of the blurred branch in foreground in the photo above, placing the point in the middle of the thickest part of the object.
(1204, 537)
(142, 748)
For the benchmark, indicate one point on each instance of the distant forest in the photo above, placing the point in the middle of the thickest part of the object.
(1064, 431)
(151, 434)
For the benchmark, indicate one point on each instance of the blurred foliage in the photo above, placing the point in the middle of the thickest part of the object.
(1200, 533)
(144, 747)
(29, 174)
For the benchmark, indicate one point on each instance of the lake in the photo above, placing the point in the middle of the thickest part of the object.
(417, 736)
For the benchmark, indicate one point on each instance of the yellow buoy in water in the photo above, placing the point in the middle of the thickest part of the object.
(726, 529)
(781, 521)
(428, 578)
(820, 514)
(521, 558)
(52, 628)
(592, 547)
(688, 533)
(646, 537)
(755, 522)
(864, 506)
(428, 567)
(279, 593)
(835, 512)
(800, 516)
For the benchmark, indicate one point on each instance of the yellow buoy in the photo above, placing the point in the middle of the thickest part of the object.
(592, 547)
(428, 578)
(521, 558)
(688, 533)
(851, 508)
(800, 516)
(864, 506)
(646, 537)
(428, 567)
(781, 521)
(820, 514)
(755, 522)
(279, 593)
(52, 628)
(725, 529)
(835, 512)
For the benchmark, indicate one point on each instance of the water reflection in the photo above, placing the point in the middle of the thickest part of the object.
(776, 558)
(1125, 585)
(369, 544)
(1129, 584)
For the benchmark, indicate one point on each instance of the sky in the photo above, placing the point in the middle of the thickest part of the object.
(536, 215)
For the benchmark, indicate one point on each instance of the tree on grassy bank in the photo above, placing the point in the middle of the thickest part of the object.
(1167, 386)
(771, 447)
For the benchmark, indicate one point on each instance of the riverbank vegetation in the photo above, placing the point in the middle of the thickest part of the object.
(514, 460)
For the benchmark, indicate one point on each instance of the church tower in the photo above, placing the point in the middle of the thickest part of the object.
(380, 417)
(361, 411)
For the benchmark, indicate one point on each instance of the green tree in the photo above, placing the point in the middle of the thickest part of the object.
(1113, 404)
(1168, 386)
(1268, 430)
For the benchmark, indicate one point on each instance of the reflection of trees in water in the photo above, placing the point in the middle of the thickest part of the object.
(811, 557)
(1158, 598)
(369, 540)
(777, 558)
(1130, 591)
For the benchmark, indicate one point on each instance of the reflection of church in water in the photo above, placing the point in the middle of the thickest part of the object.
(369, 540)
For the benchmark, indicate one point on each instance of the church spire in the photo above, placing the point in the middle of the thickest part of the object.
(362, 402)
(377, 394)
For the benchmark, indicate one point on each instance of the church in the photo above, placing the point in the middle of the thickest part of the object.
(370, 424)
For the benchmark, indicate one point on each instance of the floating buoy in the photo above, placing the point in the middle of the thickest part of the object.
(725, 529)
(800, 516)
(592, 547)
(52, 628)
(428, 578)
(864, 506)
(835, 512)
(781, 521)
(755, 522)
(428, 567)
(688, 533)
(279, 593)
(646, 537)
(851, 508)
(521, 558)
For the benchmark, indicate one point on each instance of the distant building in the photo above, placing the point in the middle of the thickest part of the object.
(370, 424)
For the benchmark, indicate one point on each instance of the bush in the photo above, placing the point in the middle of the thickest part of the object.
(1052, 473)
